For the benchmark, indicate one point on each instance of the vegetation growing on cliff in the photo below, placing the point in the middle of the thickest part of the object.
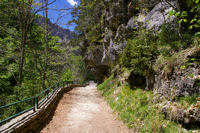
(147, 38)
(104, 24)
(136, 108)
(140, 53)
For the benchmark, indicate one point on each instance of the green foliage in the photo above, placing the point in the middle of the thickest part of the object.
(195, 22)
(170, 37)
(67, 76)
(106, 84)
(196, 41)
(183, 67)
(40, 68)
(88, 17)
(187, 101)
(135, 107)
(140, 53)
(189, 15)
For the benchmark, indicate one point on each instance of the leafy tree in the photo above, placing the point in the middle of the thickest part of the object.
(31, 59)
(188, 15)
(140, 53)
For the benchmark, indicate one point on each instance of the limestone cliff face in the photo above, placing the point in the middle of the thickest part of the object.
(121, 18)
(178, 76)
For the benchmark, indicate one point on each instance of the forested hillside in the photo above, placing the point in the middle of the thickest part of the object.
(55, 30)
(34, 53)
(146, 53)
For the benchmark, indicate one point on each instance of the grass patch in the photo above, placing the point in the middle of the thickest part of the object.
(136, 109)
(187, 101)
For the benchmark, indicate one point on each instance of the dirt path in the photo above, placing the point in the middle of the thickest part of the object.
(83, 110)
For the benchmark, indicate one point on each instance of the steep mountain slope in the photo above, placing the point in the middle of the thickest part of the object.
(64, 34)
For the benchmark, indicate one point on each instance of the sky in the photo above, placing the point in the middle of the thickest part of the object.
(72, 2)
(54, 14)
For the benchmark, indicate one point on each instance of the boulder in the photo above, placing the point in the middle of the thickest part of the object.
(159, 15)
(132, 23)
(154, 19)
(181, 115)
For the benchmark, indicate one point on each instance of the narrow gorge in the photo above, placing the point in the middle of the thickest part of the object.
(143, 57)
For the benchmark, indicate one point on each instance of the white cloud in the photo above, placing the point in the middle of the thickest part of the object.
(72, 2)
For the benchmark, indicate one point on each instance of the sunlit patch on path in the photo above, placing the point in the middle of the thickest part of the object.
(83, 110)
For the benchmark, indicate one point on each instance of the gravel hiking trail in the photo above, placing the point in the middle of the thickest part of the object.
(83, 110)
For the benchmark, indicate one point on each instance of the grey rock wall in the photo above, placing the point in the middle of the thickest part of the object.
(180, 77)
(120, 21)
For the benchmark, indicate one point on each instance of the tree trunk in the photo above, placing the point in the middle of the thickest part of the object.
(46, 44)
(25, 16)
(21, 62)
(23, 41)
